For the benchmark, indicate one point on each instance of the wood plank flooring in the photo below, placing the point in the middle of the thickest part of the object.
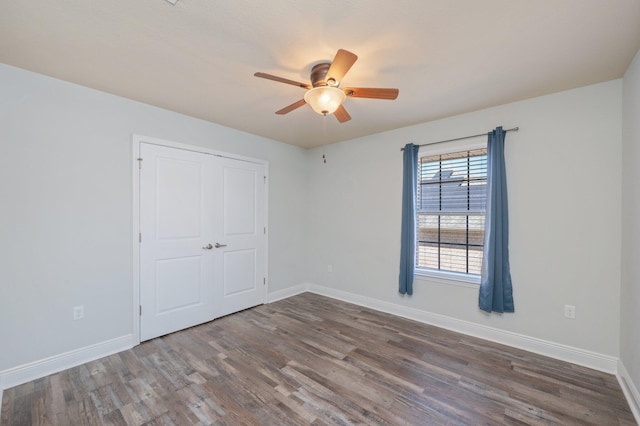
(311, 360)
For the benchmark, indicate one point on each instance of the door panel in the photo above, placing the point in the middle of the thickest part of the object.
(240, 267)
(176, 273)
(240, 192)
(186, 271)
(239, 271)
(179, 190)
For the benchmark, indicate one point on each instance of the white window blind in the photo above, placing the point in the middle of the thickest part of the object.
(451, 204)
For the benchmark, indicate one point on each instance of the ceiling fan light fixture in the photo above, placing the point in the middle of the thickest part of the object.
(325, 99)
(323, 94)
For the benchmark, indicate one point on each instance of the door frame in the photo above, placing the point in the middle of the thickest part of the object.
(136, 141)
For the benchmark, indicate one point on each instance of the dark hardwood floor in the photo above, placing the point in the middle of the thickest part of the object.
(311, 360)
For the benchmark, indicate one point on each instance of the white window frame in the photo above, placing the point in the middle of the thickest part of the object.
(447, 277)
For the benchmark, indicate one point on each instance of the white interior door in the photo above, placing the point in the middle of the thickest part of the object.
(240, 235)
(176, 273)
(202, 243)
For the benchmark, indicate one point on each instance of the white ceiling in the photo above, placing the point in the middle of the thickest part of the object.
(198, 57)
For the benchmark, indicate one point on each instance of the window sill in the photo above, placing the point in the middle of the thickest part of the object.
(448, 278)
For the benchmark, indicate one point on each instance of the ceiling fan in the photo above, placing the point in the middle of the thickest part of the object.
(324, 94)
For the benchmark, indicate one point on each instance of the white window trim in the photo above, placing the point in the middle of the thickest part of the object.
(466, 280)
(447, 277)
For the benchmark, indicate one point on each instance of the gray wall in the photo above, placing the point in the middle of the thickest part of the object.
(564, 179)
(66, 209)
(630, 294)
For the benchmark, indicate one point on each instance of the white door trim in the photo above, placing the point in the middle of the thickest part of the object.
(135, 234)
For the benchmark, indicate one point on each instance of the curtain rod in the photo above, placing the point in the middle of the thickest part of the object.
(513, 129)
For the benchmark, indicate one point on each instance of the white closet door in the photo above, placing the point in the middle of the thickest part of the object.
(241, 235)
(203, 247)
(176, 272)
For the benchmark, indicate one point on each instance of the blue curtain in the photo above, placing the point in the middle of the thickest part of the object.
(496, 292)
(408, 235)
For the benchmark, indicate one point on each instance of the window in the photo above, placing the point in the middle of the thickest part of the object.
(450, 207)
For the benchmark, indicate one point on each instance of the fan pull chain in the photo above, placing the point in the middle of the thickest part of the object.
(324, 136)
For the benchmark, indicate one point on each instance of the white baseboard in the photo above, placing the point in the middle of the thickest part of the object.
(287, 292)
(570, 354)
(630, 390)
(34, 370)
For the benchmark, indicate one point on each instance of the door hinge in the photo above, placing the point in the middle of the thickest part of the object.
(140, 163)
(264, 281)
(140, 237)
(140, 310)
(265, 230)
(265, 179)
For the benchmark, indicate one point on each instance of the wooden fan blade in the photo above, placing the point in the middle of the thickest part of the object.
(282, 80)
(291, 107)
(371, 92)
(341, 114)
(342, 63)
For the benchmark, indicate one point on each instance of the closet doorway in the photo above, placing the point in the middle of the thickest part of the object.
(202, 236)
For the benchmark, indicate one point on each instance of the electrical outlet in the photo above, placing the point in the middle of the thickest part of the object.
(329, 268)
(569, 311)
(78, 312)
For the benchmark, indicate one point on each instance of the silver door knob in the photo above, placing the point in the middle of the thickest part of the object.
(218, 245)
(208, 247)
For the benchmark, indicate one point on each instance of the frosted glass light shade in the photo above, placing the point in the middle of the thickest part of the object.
(325, 99)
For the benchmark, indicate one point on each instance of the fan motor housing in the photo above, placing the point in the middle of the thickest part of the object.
(319, 74)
